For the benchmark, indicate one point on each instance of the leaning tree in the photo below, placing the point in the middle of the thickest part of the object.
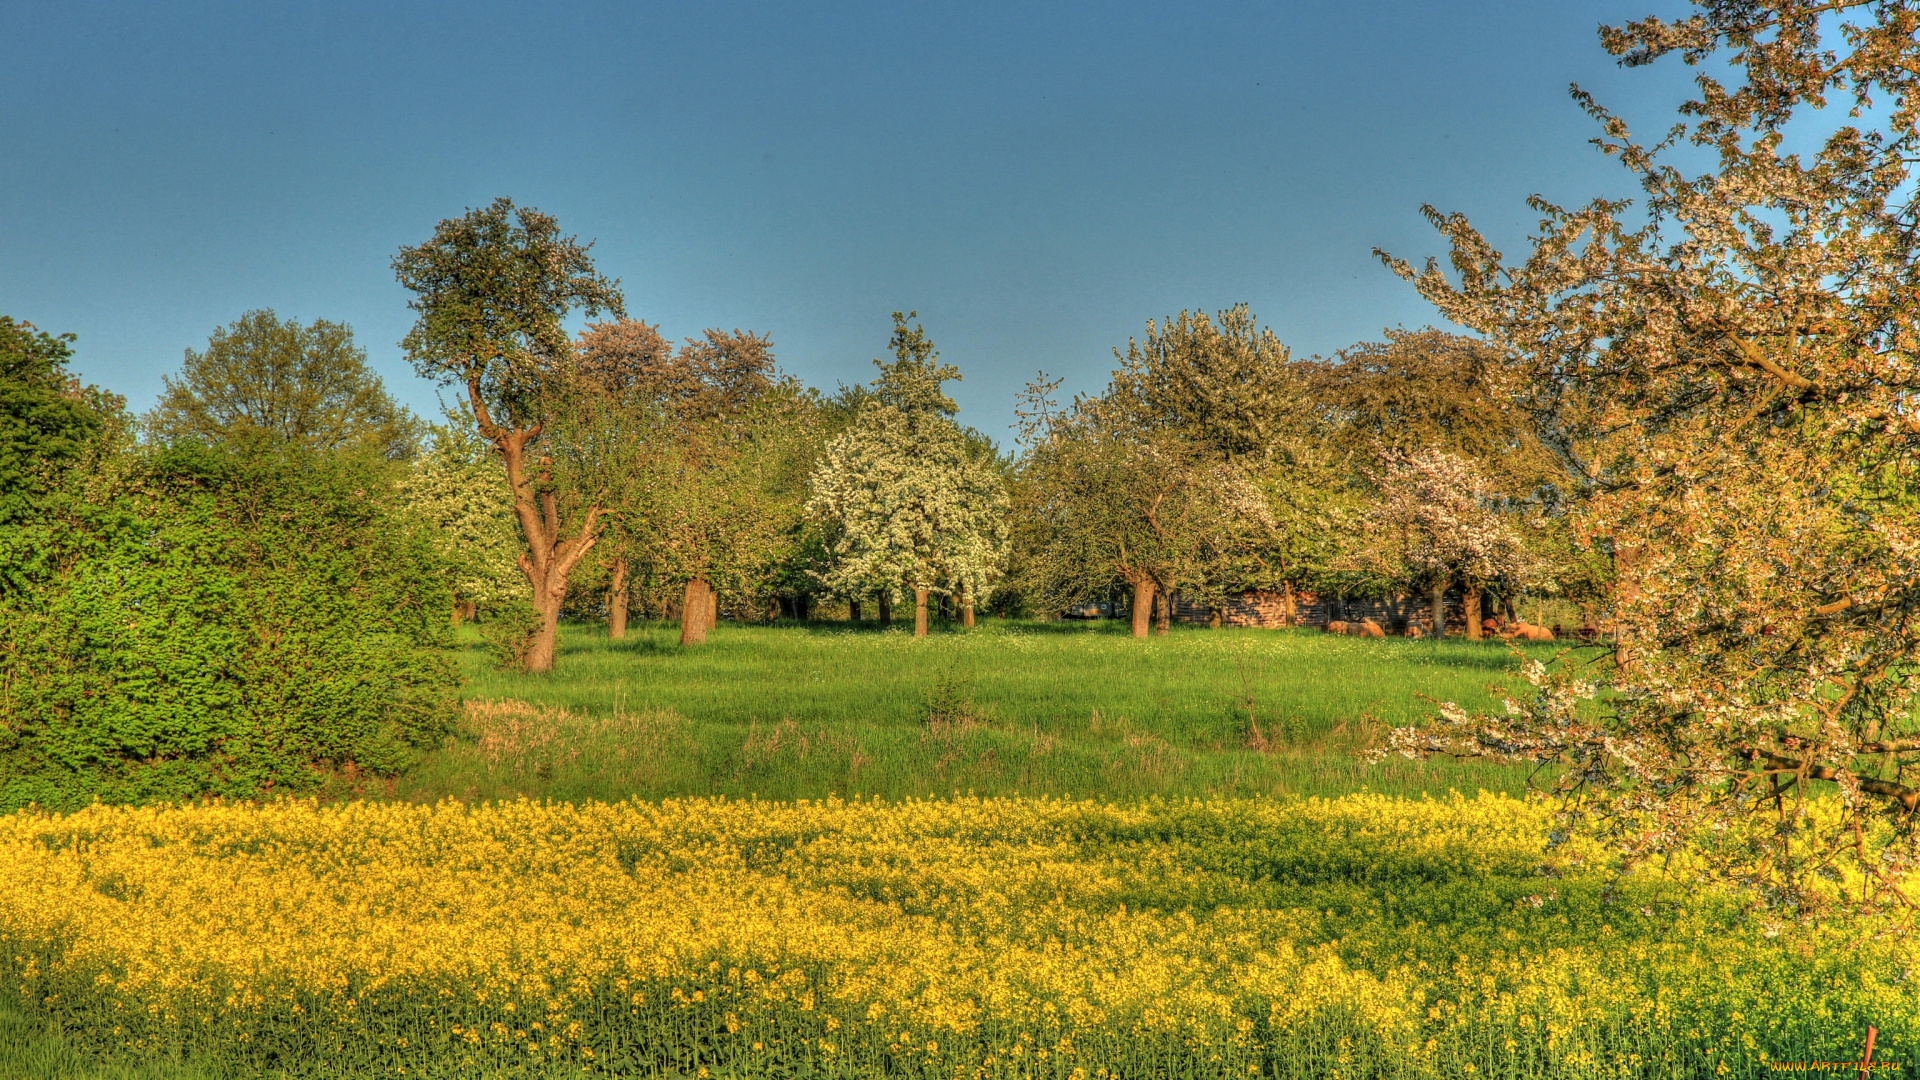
(492, 289)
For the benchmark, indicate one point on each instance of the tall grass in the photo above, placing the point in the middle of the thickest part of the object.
(804, 710)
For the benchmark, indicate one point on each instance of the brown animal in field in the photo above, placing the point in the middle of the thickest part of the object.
(1363, 628)
(1335, 626)
(1414, 631)
(1526, 632)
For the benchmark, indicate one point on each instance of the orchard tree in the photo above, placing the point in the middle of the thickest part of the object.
(306, 386)
(492, 290)
(716, 501)
(1100, 498)
(1436, 524)
(1172, 477)
(456, 487)
(1427, 389)
(1747, 344)
(906, 499)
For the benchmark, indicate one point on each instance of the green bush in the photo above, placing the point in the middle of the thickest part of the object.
(236, 621)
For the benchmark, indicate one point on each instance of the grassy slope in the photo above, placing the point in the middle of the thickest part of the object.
(1082, 709)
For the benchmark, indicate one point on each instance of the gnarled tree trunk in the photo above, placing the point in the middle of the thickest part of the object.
(1142, 605)
(1440, 607)
(617, 601)
(853, 610)
(1470, 600)
(552, 548)
(1162, 612)
(966, 611)
(886, 609)
(919, 611)
(695, 611)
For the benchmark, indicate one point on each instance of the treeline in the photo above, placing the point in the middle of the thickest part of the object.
(625, 471)
(250, 588)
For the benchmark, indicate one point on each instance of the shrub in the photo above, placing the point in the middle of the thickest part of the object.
(231, 621)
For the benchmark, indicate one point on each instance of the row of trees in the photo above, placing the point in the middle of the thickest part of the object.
(1214, 462)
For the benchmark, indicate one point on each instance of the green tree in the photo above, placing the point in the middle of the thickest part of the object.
(1431, 390)
(907, 499)
(47, 418)
(1171, 478)
(492, 290)
(50, 422)
(711, 504)
(1393, 403)
(264, 377)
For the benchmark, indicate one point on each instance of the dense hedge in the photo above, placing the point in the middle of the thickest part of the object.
(220, 621)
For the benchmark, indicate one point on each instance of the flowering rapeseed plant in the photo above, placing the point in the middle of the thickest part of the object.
(1363, 936)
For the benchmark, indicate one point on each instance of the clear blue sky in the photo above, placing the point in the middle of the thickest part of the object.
(1036, 179)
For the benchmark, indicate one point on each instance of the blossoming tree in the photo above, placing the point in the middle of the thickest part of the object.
(907, 499)
(1435, 523)
(1746, 347)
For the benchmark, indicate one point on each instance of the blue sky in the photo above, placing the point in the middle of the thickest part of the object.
(1037, 180)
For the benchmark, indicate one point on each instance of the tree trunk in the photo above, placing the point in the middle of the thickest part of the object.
(694, 611)
(554, 545)
(886, 609)
(966, 609)
(546, 634)
(1162, 612)
(1142, 605)
(1470, 600)
(1440, 608)
(1290, 606)
(713, 606)
(617, 601)
(919, 612)
(853, 610)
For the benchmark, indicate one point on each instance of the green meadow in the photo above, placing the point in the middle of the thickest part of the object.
(1011, 707)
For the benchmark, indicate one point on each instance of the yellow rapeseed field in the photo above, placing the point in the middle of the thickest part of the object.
(1010, 937)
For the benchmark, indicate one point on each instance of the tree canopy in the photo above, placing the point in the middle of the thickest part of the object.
(301, 385)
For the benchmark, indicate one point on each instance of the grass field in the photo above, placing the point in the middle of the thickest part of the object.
(1070, 709)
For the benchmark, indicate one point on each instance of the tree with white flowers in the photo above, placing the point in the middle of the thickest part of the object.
(1743, 357)
(1437, 524)
(457, 488)
(909, 502)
